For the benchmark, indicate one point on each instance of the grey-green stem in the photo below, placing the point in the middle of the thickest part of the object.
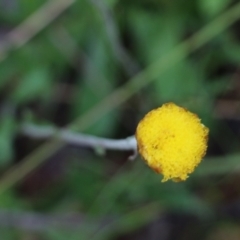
(84, 140)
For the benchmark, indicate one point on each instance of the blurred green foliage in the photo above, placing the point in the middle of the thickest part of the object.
(84, 55)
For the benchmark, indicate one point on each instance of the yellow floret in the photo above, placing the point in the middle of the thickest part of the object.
(172, 141)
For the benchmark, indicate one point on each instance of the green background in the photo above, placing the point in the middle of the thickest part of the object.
(98, 66)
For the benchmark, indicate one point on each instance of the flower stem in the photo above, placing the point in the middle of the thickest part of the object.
(85, 140)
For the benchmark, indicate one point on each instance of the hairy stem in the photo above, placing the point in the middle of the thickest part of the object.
(44, 132)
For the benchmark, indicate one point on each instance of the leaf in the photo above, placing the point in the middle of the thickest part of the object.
(168, 87)
(91, 176)
(155, 34)
(9, 200)
(155, 45)
(211, 8)
(111, 3)
(33, 85)
(7, 131)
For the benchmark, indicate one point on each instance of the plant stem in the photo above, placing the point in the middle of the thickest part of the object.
(44, 132)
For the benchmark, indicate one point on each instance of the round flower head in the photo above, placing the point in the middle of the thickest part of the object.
(172, 141)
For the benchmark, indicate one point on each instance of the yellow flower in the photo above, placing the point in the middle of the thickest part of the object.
(172, 141)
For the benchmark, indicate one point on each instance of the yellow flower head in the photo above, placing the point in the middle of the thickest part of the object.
(172, 141)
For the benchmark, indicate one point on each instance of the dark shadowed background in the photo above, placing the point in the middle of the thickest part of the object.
(98, 66)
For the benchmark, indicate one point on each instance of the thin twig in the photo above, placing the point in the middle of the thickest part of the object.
(41, 222)
(44, 132)
(33, 221)
(40, 19)
(121, 54)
